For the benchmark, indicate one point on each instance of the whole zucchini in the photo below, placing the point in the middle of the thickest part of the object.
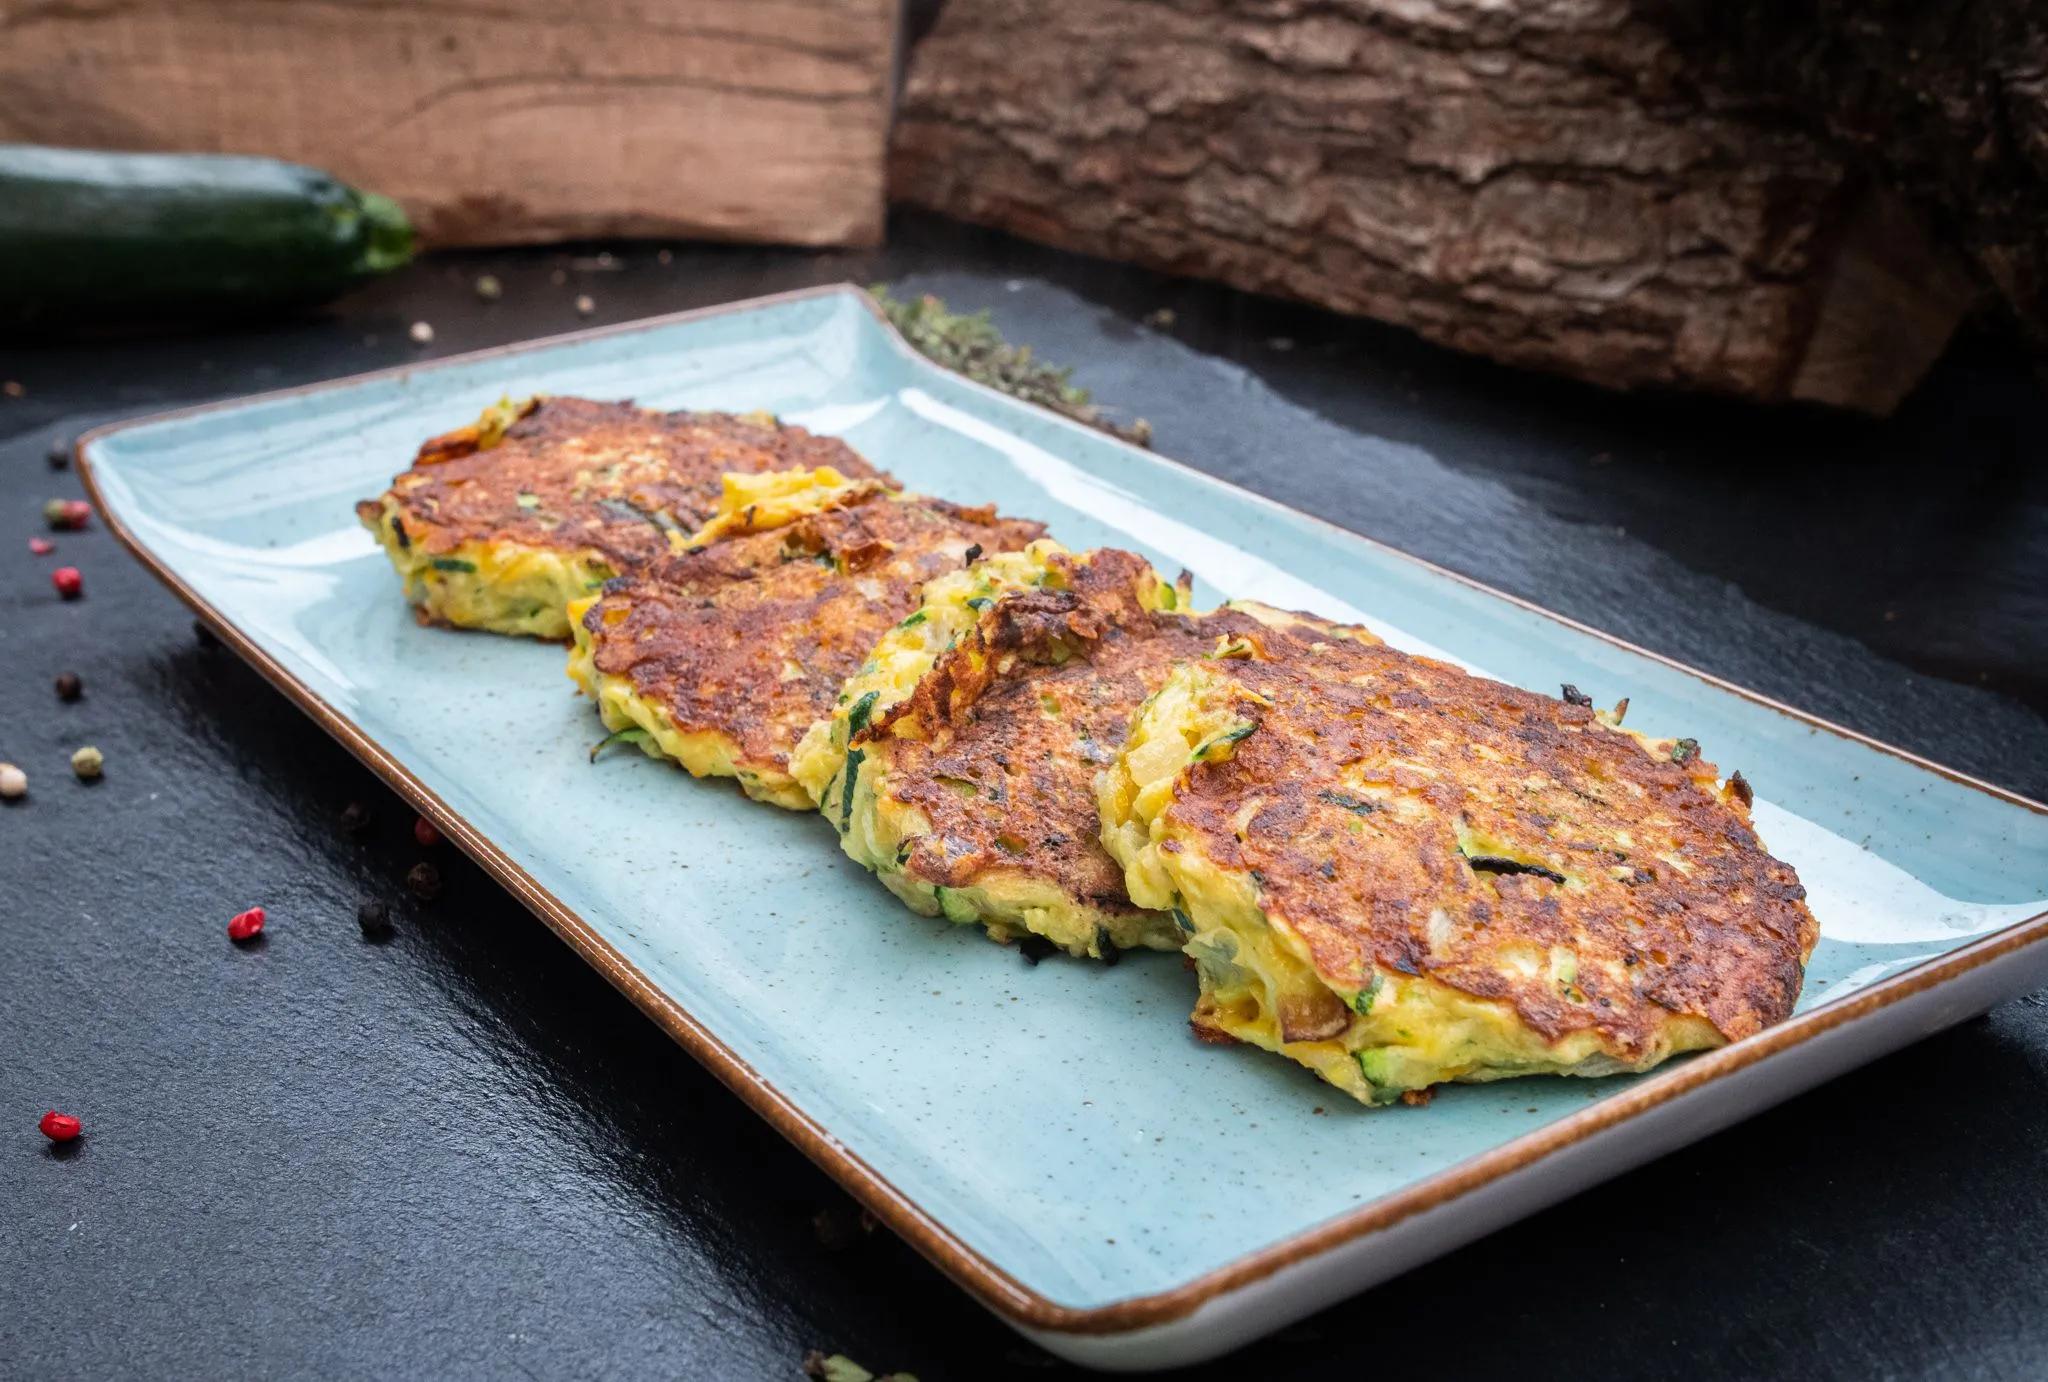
(87, 238)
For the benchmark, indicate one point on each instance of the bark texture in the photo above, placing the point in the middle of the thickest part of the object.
(493, 123)
(1945, 101)
(1551, 183)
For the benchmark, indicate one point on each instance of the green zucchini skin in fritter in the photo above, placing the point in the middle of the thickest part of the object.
(1399, 874)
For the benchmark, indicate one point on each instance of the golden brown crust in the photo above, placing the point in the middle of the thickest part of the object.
(1395, 811)
(576, 475)
(999, 744)
(753, 636)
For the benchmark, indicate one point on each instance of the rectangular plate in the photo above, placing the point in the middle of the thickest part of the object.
(1051, 1136)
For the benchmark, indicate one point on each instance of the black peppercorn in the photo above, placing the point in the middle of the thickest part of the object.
(355, 818)
(69, 687)
(374, 916)
(59, 455)
(424, 880)
(838, 1228)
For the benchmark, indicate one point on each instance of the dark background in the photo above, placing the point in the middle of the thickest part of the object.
(461, 1153)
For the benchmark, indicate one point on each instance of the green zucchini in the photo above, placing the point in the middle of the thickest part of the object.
(91, 237)
(629, 735)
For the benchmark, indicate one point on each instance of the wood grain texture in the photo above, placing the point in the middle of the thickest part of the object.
(1548, 184)
(494, 121)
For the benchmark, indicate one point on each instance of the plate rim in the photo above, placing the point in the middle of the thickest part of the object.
(976, 1273)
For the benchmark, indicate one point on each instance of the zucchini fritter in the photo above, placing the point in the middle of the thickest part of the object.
(1398, 874)
(948, 610)
(722, 657)
(972, 797)
(500, 524)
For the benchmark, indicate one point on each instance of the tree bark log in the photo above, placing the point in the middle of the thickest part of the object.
(1945, 101)
(1552, 183)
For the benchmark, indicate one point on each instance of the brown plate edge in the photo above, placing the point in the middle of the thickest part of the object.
(991, 1285)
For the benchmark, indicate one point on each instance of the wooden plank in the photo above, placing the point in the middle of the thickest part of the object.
(494, 121)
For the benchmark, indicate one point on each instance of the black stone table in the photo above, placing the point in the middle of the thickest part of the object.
(460, 1153)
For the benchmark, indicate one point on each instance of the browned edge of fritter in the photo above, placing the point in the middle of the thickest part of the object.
(692, 632)
(675, 462)
(1090, 647)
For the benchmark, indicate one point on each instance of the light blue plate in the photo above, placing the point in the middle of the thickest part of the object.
(1053, 1136)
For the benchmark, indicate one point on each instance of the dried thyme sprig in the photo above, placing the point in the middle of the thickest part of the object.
(969, 344)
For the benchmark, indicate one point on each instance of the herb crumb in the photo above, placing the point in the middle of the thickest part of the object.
(1739, 788)
(968, 343)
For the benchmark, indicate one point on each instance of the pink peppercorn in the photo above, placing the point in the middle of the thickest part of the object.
(58, 1127)
(68, 582)
(245, 926)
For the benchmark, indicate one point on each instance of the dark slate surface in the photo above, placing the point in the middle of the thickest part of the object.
(460, 1153)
